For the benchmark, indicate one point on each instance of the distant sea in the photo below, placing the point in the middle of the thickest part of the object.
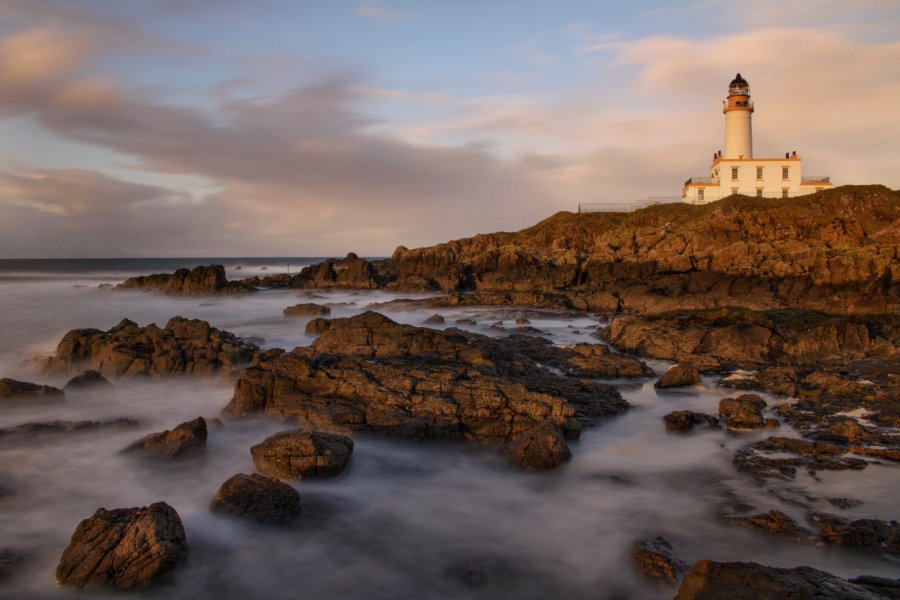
(149, 265)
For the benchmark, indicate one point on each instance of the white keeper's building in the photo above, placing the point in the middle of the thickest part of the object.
(736, 171)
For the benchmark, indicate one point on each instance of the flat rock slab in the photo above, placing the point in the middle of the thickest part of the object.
(258, 498)
(308, 309)
(709, 580)
(123, 548)
(12, 388)
(302, 453)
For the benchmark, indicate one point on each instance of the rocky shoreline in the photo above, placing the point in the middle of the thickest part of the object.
(796, 300)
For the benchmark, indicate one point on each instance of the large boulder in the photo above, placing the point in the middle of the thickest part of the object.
(710, 580)
(202, 280)
(540, 448)
(183, 346)
(368, 373)
(653, 558)
(123, 548)
(88, 379)
(258, 498)
(12, 388)
(680, 375)
(187, 438)
(302, 453)
(743, 412)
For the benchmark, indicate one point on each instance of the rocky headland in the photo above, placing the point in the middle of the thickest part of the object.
(795, 299)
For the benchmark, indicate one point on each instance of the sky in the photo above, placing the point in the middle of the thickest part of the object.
(310, 128)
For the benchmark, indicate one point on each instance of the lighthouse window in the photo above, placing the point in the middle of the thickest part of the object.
(759, 192)
(784, 192)
(759, 172)
(734, 172)
(700, 194)
(784, 172)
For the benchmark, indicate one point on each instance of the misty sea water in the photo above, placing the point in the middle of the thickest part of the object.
(407, 519)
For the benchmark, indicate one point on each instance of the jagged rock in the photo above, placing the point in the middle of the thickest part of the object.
(776, 523)
(653, 558)
(685, 420)
(349, 272)
(743, 412)
(187, 438)
(305, 310)
(867, 534)
(434, 320)
(184, 346)
(123, 548)
(302, 453)
(369, 373)
(257, 497)
(540, 448)
(757, 458)
(596, 361)
(201, 280)
(849, 431)
(710, 580)
(316, 326)
(65, 426)
(88, 379)
(11, 388)
(680, 375)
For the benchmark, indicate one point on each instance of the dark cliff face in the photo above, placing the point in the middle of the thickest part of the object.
(834, 251)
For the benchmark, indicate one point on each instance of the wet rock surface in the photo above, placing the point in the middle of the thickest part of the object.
(774, 523)
(368, 373)
(653, 558)
(710, 580)
(680, 375)
(14, 389)
(123, 548)
(781, 457)
(258, 498)
(540, 448)
(182, 347)
(29, 429)
(686, 420)
(888, 588)
(304, 453)
(203, 280)
(306, 310)
(742, 412)
(186, 439)
(866, 534)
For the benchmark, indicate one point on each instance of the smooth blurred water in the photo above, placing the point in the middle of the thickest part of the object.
(407, 519)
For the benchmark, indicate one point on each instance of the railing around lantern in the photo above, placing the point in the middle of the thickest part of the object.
(814, 179)
(694, 180)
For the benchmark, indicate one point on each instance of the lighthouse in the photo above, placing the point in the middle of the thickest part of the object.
(738, 108)
(737, 171)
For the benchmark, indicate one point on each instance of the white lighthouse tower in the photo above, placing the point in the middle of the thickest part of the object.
(737, 108)
(737, 171)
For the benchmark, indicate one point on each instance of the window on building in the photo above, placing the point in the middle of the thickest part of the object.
(734, 190)
(759, 172)
(700, 194)
(785, 172)
(784, 192)
(759, 192)
(734, 173)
